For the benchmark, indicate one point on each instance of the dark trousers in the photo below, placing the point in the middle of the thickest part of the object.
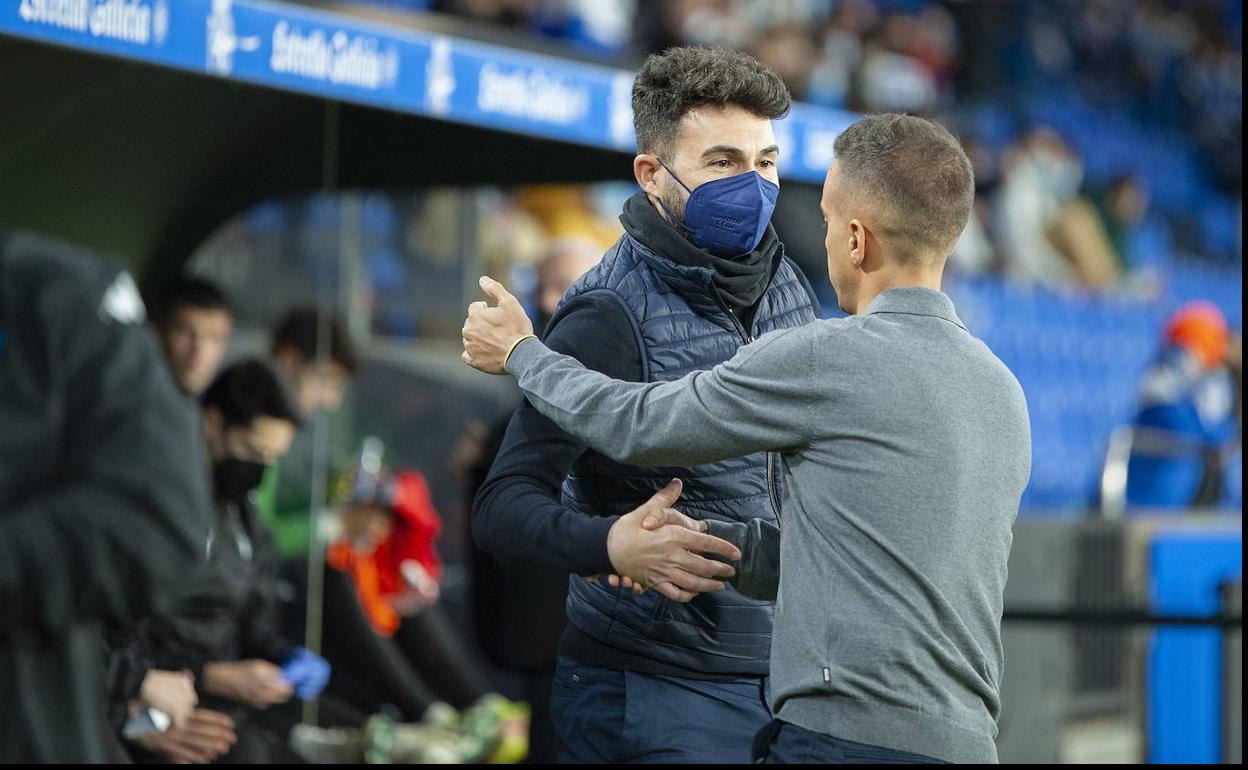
(784, 743)
(536, 692)
(424, 661)
(623, 716)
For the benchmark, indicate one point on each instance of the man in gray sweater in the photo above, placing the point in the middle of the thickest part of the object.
(906, 449)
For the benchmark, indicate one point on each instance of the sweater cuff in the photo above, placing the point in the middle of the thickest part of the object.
(593, 543)
(522, 355)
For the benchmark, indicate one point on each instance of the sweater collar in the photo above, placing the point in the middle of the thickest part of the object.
(915, 300)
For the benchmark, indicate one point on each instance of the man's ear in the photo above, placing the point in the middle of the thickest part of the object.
(645, 168)
(857, 243)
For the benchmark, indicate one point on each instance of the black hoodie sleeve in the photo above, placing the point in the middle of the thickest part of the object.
(128, 664)
(517, 513)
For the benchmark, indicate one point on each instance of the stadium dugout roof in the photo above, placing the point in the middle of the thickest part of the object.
(137, 127)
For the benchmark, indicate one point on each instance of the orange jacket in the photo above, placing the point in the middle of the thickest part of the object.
(376, 575)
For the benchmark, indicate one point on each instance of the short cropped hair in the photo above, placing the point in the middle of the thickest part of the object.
(914, 178)
(190, 292)
(672, 83)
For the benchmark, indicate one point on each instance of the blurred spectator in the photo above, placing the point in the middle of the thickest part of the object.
(1039, 176)
(792, 52)
(565, 260)
(317, 386)
(103, 503)
(710, 22)
(224, 627)
(284, 498)
(518, 609)
(1049, 233)
(975, 252)
(194, 323)
(934, 41)
(385, 631)
(1186, 427)
(586, 24)
(565, 211)
(1211, 84)
(831, 83)
(893, 82)
(1121, 206)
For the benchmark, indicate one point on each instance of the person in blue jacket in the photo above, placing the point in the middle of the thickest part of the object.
(1186, 428)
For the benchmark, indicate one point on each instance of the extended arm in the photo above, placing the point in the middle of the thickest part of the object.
(758, 400)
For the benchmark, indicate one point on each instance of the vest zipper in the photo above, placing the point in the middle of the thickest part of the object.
(772, 493)
(771, 487)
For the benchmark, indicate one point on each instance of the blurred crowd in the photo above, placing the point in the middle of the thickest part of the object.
(1171, 63)
(1058, 206)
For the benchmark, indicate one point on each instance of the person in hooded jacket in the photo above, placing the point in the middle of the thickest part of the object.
(103, 500)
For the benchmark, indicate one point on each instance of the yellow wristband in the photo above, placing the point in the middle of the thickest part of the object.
(513, 347)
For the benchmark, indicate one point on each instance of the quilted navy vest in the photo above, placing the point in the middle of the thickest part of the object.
(681, 325)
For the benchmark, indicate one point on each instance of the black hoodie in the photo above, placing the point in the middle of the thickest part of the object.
(103, 498)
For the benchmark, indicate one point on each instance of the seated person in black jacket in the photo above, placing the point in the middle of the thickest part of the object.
(224, 627)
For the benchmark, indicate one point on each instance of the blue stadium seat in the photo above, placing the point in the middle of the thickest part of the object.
(1080, 360)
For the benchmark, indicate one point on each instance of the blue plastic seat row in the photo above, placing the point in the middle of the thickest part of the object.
(1080, 359)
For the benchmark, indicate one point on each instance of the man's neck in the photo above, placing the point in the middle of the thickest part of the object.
(882, 281)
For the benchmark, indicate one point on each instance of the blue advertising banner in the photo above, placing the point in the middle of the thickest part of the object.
(339, 57)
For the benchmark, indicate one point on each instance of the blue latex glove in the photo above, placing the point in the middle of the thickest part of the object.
(306, 671)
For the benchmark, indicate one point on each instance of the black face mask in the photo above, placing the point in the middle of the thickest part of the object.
(234, 478)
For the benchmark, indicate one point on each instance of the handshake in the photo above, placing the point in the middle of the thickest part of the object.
(657, 546)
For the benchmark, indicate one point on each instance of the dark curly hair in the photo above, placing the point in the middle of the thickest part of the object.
(678, 80)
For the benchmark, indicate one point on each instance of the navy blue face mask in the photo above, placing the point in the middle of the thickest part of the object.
(728, 216)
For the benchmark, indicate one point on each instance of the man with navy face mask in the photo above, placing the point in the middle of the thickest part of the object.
(728, 217)
(698, 273)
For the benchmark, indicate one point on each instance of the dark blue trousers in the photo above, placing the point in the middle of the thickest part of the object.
(622, 716)
(784, 743)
